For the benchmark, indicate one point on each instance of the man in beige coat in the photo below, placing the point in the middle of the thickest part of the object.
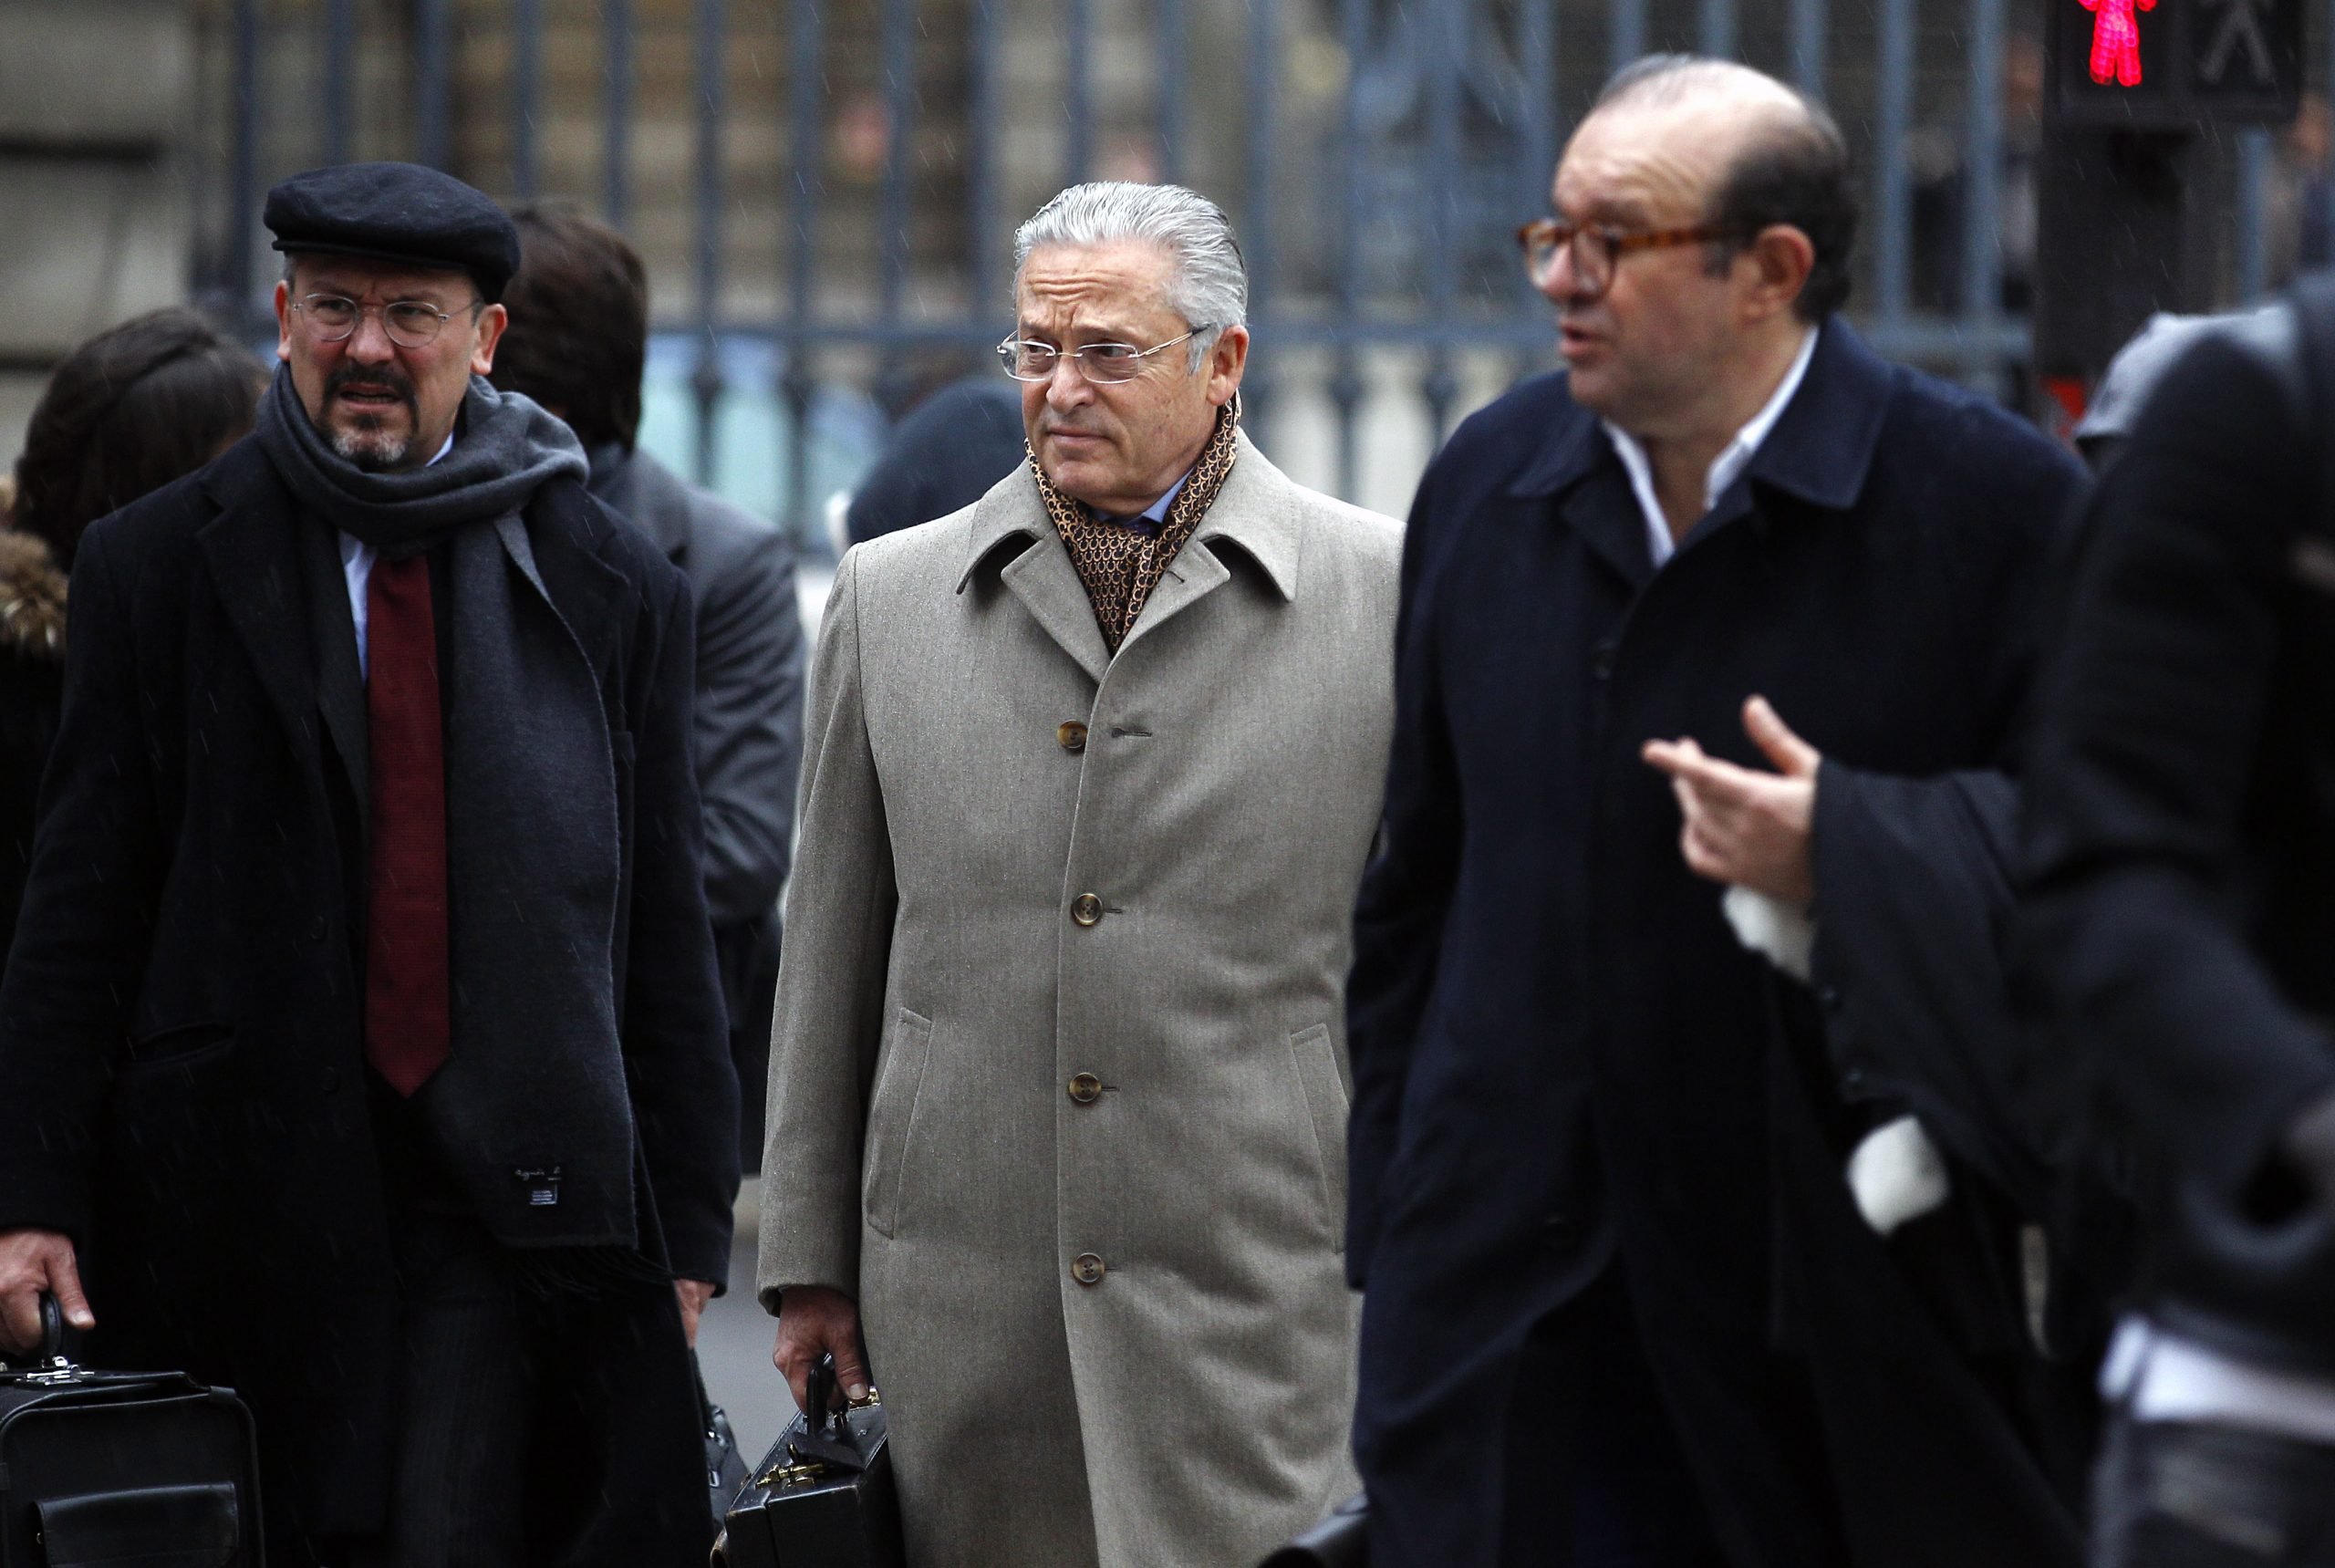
(1058, 1080)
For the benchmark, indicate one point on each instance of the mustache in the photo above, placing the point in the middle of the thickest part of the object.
(388, 379)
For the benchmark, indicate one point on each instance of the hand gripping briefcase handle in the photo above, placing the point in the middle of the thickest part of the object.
(823, 1496)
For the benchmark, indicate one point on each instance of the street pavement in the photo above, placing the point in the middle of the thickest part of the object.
(733, 1344)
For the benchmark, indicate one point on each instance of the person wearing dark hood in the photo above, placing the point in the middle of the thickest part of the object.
(363, 1040)
(578, 344)
(127, 412)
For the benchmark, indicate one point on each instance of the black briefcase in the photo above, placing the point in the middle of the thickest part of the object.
(109, 1468)
(823, 1497)
(1341, 1541)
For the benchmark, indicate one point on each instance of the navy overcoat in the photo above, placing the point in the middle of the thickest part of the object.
(1564, 1063)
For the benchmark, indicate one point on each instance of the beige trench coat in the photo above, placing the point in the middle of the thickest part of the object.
(978, 1078)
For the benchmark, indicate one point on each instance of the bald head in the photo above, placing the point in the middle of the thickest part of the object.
(1764, 152)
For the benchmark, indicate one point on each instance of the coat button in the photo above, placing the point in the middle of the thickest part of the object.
(1071, 734)
(1086, 1268)
(1087, 1088)
(328, 1080)
(317, 929)
(1086, 909)
(1600, 660)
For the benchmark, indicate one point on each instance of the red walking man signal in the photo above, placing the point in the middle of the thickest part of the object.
(2116, 40)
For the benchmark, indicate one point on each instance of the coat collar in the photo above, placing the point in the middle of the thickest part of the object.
(1255, 513)
(1820, 449)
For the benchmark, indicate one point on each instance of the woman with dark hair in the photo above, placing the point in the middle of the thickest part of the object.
(131, 409)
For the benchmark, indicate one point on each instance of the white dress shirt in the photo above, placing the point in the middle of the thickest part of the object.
(1725, 468)
(357, 566)
(2164, 1376)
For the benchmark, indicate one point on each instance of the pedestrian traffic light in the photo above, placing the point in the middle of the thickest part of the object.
(2168, 65)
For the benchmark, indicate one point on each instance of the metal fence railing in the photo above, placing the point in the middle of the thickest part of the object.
(827, 188)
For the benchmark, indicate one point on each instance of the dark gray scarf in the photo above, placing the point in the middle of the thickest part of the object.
(532, 1111)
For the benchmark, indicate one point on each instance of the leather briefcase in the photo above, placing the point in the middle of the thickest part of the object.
(1341, 1541)
(823, 1497)
(113, 1468)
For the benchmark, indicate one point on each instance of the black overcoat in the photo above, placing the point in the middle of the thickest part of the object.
(181, 1022)
(1562, 1059)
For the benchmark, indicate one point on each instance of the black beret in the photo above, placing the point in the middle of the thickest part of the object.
(397, 212)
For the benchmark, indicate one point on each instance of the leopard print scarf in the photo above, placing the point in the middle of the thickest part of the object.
(1121, 564)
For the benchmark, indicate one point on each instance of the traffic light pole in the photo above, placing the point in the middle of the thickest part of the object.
(2133, 202)
(2119, 237)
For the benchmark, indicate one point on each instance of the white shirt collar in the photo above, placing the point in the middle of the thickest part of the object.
(1725, 468)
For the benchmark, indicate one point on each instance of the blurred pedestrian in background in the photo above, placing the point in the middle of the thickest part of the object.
(578, 344)
(1632, 1295)
(946, 452)
(363, 1038)
(1058, 1084)
(127, 412)
(2179, 919)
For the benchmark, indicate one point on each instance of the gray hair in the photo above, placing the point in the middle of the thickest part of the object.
(1210, 283)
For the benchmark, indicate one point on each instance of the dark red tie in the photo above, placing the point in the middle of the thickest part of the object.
(406, 1025)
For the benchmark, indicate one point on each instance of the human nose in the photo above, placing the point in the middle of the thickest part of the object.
(370, 340)
(1068, 387)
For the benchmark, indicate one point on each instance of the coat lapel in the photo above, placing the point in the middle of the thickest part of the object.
(1045, 582)
(1578, 472)
(332, 654)
(1253, 511)
(253, 551)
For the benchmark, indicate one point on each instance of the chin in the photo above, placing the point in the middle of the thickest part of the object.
(371, 451)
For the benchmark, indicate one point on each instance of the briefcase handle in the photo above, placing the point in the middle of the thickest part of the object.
(819, 1394)
(52, 1328)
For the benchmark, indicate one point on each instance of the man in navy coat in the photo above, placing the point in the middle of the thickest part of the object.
(1622, 1302)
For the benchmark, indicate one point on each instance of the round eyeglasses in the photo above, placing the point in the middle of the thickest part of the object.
(1595, 249)
(1105, 364)
(410, 322)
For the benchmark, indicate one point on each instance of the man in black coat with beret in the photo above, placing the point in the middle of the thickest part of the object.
(1634, 1292)
(362, 1039)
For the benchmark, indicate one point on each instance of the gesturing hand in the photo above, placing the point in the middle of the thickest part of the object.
(1744, 828)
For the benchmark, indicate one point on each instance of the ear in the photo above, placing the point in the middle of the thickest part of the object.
(283, 320)
(1779, 262)
(1227, 358)
(489, 332)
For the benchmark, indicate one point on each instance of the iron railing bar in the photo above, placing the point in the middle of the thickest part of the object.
(340, 79)
(1892, 120)
(805, 165)
(243, 174)
(431, 136)
(1982, 161)
(2254, 163)
(617, 42)
(899, 45)
(1257, 231)
(705, 381)
(1624, 32)
(1345, 387)
(980, 182)
(1174, 46)
(1714, 28)
(526, 97)
(1078, 104)
(1808, 23)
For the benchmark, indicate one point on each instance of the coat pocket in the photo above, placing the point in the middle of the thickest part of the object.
(179, 1046)
(892, 1118)
(1314, 1056)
